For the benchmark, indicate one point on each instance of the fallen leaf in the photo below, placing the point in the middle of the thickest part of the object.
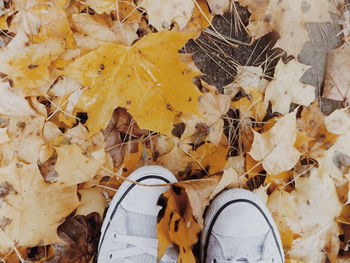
(27, 200)
(13, 104)
(176, 224)
(103, 6)
(80, 235)
(161, 14)
(252, 105)
(25, 135)
(141, 77)
(337, 81)
(42, 20)
(286, 87)
(275, 148)
(247, 76)
(91, 201)
(27, 65)
(219, 7)
(3, 135)
(312, 126)
(289, 18)
(211, 157)
(97, 28)
(310, 215)
(338, 122)
(73, 167)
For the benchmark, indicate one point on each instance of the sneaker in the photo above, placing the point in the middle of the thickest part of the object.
(238, 228)
(129, 231)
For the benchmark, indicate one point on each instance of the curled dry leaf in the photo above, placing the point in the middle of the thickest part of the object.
(141, 77)
(275, 148)
(286, 87)
(162, 14)
(27, 200)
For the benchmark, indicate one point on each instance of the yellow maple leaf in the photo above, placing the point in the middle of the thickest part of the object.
(148, 79)
(32, 208)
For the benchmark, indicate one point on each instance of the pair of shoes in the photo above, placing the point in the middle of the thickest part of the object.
(237, 225)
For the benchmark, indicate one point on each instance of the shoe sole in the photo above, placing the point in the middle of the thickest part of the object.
(139, 175)
(227, 198)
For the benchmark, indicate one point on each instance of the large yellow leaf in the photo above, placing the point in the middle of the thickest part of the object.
(148, 79)
(31, 209)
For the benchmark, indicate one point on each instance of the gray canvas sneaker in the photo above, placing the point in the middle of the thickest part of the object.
(129, 231)
(238, 228)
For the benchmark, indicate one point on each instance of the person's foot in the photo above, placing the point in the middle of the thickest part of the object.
(239, 228)
(129, 231)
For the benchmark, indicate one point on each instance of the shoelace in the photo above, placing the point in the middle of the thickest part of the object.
(139, 246)
(245, 259)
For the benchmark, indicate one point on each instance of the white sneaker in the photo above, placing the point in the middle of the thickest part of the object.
(238, 228)
(129, 231)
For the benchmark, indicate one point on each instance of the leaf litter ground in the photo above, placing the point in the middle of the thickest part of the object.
(253, 116)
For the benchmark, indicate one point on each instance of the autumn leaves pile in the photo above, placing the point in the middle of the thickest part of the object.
(91, 90)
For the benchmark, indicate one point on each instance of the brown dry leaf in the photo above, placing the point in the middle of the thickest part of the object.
(161, 14)
(141, 78)
(27, 64)
(275, 148)
(27, 200)
(286, 87)
(288, 18)
(73, 167)
(310, 215)
(91, 201)
(337, 81)
(80, 235)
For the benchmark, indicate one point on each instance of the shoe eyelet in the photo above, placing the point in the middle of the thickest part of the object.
(110, 256)
(114, 235)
